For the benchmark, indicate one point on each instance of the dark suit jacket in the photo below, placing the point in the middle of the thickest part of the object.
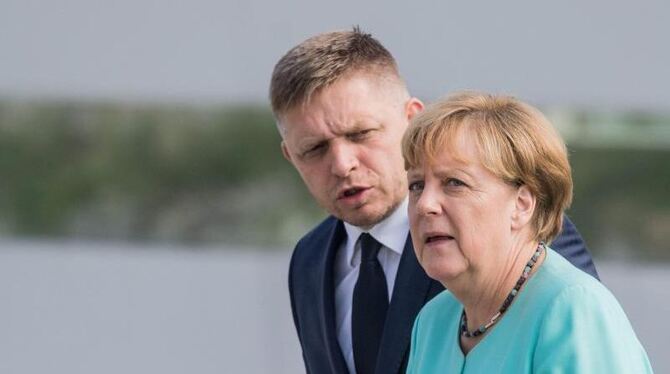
(311, 288)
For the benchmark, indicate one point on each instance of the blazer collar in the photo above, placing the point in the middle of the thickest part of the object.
(410, 291)
(327, 303)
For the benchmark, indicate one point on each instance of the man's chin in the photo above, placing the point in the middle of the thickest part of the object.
(363, 217)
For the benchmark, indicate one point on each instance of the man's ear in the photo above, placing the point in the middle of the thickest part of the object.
(285, 152)
(524, 207)
(413, 107)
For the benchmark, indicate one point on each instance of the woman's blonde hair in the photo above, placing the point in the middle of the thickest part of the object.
(515, 142)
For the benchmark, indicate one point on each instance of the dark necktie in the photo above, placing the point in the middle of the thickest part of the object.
(370, 303)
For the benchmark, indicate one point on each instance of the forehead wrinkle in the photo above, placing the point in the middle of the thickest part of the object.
(333, 129)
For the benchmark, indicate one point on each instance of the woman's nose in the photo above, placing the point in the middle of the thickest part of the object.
(428, 202)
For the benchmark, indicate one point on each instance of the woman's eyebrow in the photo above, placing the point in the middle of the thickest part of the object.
(451, 170)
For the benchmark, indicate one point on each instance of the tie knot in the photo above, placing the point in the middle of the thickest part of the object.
(369, 247)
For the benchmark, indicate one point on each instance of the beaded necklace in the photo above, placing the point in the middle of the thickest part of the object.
(524, 276)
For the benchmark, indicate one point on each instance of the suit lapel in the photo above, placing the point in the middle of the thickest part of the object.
(327, 304)
(410, 292)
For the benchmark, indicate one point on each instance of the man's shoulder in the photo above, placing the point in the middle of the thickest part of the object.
(312, 246)
(319, 233)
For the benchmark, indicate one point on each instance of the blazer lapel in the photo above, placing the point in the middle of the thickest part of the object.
(410, 292)
(327, 303)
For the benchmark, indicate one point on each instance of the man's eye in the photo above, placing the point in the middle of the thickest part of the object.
(416, 186)
(360, 135)
(314, 150)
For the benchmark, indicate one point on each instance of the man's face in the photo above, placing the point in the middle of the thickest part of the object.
(346, 146)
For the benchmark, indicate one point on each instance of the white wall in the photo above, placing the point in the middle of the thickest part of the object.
(81, 308)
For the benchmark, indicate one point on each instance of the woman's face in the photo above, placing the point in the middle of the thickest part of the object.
(460, 213)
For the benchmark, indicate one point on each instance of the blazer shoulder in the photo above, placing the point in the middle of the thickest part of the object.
(307, 250)
(571, 245)
(319, 233)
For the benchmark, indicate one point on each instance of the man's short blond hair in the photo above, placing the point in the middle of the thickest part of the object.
(321, 60)
(515, 142)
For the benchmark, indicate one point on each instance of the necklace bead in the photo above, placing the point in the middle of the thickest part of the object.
(508, 300)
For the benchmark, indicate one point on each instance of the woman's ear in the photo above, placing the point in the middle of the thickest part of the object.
(524, 207)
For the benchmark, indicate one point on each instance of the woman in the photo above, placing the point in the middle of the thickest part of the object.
(489, 180)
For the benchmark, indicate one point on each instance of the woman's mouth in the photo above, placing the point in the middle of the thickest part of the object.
(438, 238)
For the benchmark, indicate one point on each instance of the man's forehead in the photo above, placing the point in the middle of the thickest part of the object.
(305, 132)
(383, 87)
(320, 121)
(352, 102)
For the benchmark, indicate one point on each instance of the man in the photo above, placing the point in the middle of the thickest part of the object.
(354, 281)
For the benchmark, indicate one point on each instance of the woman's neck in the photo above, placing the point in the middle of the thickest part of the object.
(484, 293)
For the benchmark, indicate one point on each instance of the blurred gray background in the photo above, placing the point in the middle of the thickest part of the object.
(146, 213)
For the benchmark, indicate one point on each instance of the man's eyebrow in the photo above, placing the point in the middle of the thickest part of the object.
(363, 125)
(307, 143)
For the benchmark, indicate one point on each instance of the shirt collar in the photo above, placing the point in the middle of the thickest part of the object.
(391, 232)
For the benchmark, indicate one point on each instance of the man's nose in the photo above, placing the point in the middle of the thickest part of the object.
(344, 159)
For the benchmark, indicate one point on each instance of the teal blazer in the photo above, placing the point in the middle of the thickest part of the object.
(562, 321)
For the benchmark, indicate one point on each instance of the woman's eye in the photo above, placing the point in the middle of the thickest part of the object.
(453, 182)
(416, 186)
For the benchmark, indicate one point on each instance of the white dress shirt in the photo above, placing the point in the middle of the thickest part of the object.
(392, 234)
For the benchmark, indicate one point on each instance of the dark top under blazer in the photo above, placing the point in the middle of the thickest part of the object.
(311, 288)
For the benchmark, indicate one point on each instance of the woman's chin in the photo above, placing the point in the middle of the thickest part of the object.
(444, 273)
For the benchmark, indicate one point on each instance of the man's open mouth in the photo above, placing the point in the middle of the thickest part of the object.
(349, 192)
